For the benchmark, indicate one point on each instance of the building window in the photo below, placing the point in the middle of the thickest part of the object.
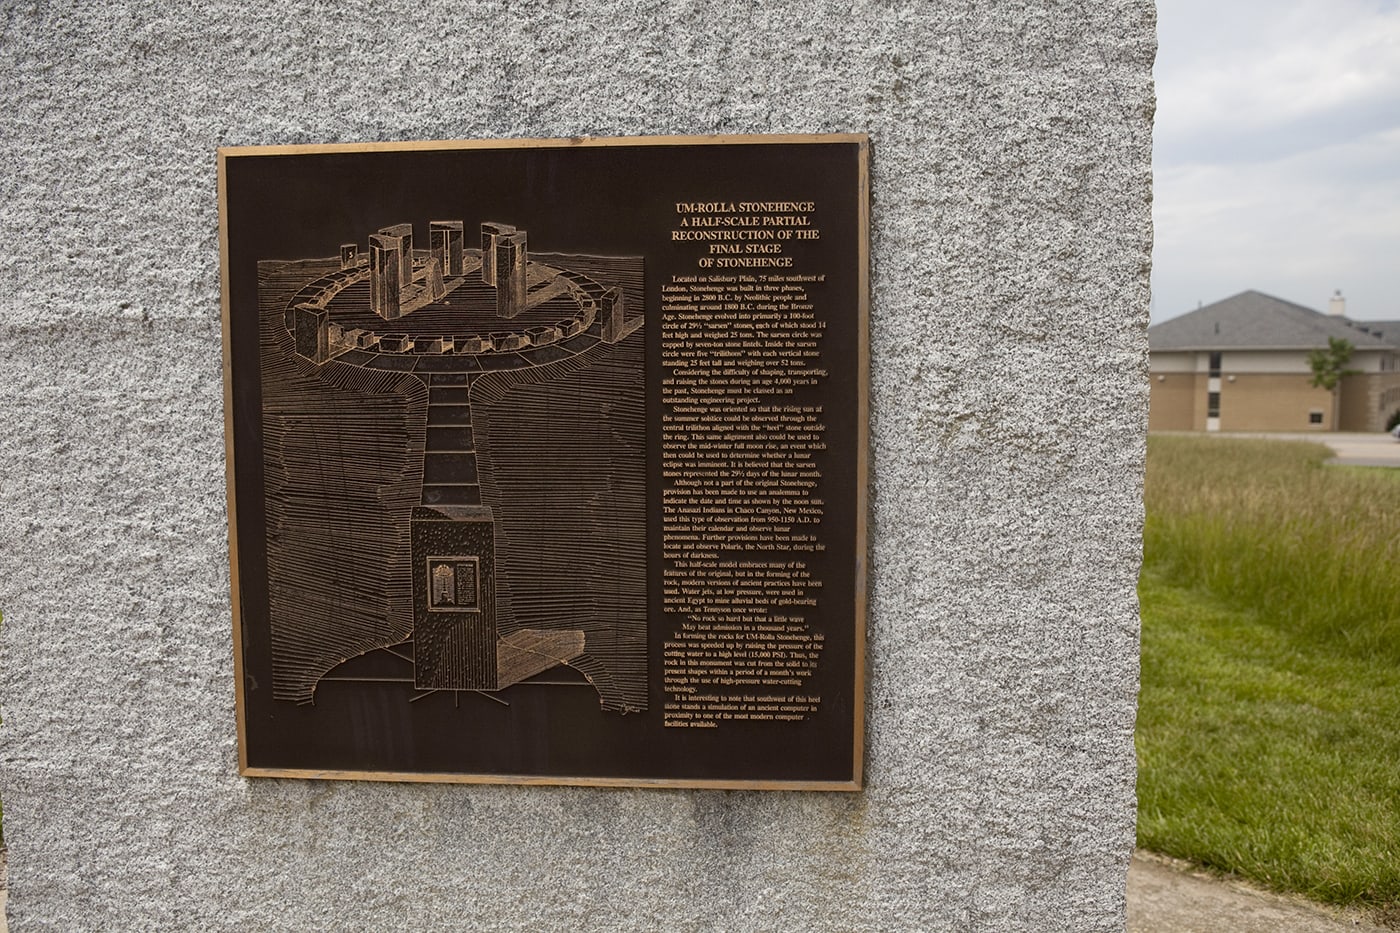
(1215, 364)
(1315, 417)
(1212, 404)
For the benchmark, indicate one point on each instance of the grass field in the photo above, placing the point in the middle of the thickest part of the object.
(1269, 721)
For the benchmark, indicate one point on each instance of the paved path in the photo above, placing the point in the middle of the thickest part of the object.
(1365, 450)
(1350, 449)
(1168, 896)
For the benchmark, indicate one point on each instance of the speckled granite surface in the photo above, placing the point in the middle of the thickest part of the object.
(1011, 242)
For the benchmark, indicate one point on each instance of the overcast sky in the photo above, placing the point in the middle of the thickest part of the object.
(1277, 153)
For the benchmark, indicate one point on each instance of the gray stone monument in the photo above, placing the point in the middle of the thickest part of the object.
(1011, 189)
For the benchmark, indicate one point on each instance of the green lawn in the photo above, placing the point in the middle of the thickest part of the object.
(1269, 721)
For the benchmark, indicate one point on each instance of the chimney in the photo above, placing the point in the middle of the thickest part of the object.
(1337, 307)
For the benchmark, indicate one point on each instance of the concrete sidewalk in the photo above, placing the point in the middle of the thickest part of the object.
(1169, 896)
(1365, 450)
(1350, 449)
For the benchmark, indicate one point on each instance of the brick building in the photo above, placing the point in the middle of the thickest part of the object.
(1241, 364)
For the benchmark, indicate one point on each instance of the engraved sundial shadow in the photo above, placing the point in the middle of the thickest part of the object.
(430, 328)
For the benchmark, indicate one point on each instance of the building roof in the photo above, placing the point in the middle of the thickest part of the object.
(1254, 321)
(1387, 331)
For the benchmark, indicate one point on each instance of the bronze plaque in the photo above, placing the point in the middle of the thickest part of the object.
(547, 459)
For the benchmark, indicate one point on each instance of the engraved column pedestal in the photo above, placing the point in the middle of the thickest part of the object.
(454, 599)
(456, 639)
(454, 553)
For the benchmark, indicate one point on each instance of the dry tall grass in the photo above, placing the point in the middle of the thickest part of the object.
(1264, 525)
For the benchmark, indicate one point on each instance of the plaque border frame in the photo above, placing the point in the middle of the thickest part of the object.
(861, 546)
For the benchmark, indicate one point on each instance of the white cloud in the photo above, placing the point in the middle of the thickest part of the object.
(1296, 227)
(1314, 71)
(1278, 153)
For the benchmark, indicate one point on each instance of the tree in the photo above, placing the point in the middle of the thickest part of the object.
(1328, 368)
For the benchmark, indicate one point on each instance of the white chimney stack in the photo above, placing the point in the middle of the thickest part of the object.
(1338, 305)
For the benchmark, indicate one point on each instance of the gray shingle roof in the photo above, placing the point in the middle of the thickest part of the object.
(1254, 321)
(1388, 331)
